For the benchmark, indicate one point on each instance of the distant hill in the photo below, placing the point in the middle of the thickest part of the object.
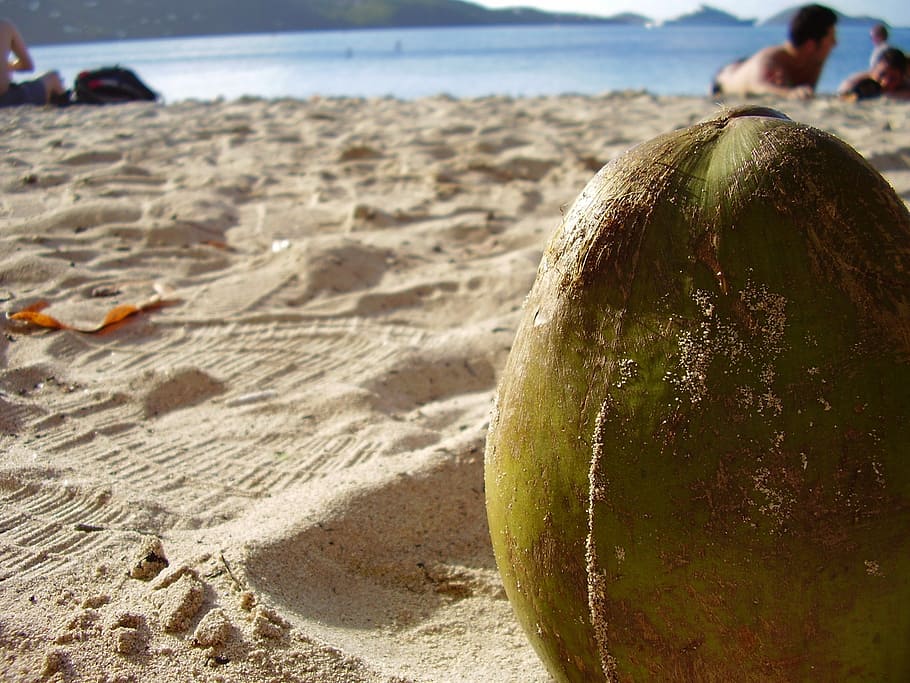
(45, 22)
(784, 16)
(709, 16)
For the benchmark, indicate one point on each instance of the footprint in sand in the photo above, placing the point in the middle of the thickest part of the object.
(189, 219)
(176, 390)
(337, 267)
(428, 375)
(418, 569)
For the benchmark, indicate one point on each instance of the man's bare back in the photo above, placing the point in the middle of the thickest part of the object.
(773, 70)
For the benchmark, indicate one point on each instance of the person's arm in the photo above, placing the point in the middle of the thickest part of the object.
(860, 86)
(20, 59)
(769, 87)
(849, 83)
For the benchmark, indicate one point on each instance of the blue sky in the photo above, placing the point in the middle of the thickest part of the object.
(895, 12)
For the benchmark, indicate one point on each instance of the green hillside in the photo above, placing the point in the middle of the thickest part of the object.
(62, 21)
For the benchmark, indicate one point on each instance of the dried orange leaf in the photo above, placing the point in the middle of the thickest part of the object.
(32, 314)
(118, 313)
(40, 319)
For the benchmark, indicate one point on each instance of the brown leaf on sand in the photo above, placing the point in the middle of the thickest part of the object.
(33, 314)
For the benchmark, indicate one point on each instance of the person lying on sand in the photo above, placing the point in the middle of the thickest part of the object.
(791, 69)
(888, 77)
(39, 91)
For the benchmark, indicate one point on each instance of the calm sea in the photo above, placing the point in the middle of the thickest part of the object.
(462, 62)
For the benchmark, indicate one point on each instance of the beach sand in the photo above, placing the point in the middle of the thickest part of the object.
(273, 469)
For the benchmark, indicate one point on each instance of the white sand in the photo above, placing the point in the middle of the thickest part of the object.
(299, 430)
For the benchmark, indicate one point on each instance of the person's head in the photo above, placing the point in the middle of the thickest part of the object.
(812, 28)
(879, 34)
(890, 69)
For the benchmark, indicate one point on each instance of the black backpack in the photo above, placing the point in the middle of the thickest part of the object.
(110, 85)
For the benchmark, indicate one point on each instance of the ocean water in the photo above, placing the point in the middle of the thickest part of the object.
(462, 62)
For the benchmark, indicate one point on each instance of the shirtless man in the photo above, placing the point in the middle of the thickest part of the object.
(788, 70)
(38, 91)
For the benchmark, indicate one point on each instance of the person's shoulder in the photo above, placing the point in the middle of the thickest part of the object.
(773, 54)
(773, 50)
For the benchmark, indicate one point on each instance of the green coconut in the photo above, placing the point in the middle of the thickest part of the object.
(698, 464)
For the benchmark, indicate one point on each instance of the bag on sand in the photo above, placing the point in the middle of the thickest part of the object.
(110, 85)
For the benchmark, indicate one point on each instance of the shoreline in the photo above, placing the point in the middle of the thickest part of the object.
(462, 62)
(273, 471)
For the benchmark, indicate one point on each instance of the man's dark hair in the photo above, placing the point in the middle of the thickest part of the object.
(894, 58)
(811, 22)
(880, 31)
